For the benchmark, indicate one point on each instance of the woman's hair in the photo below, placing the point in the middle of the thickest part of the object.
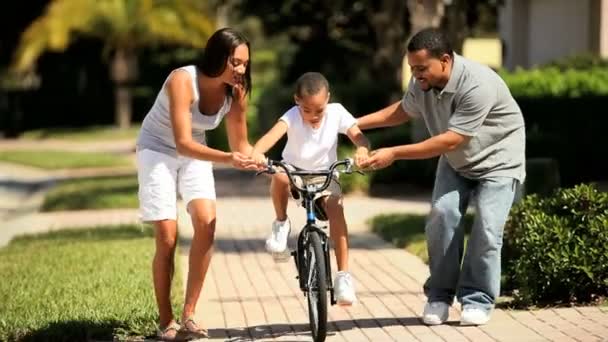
(311, 83)
(219, 48)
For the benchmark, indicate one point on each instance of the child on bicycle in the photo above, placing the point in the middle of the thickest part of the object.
(312, 128)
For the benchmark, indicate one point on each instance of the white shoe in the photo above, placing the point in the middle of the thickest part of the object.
(474, 316)
(277, 241)
(435, 313)
(344, 287)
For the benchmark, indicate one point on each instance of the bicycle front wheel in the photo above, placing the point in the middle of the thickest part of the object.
(317, 287)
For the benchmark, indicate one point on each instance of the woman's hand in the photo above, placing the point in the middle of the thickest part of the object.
(242, 161)
(240, 97)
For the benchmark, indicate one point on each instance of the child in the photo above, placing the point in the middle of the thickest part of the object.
(312, 128)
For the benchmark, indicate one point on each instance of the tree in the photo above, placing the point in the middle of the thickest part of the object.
(338, 37)
(125, 26)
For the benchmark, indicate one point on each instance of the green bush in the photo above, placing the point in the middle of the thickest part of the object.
(556, 248)
(354, 182)
(556, 82)
(579, 62)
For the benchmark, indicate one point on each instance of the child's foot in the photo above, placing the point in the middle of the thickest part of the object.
(277, 241)
(345, 289)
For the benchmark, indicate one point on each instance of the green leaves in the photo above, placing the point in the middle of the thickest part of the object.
(556, 248)
(571, 78)
(121, 24)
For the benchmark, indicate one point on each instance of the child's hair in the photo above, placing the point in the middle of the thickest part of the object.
(311, 83)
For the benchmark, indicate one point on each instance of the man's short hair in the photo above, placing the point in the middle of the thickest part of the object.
(432, 40)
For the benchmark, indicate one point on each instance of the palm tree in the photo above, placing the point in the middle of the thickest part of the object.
(124, 25)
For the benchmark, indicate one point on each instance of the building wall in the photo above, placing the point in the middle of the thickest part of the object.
(558, 28)
(537, 31)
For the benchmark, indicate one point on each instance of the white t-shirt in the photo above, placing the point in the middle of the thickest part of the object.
(315, 148)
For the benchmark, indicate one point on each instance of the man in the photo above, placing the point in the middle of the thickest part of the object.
(478, 130)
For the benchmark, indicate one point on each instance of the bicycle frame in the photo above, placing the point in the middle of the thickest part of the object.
(308, 192)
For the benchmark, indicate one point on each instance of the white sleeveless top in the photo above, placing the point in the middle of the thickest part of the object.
(156, 132)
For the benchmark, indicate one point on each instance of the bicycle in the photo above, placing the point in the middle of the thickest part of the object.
(311, 255)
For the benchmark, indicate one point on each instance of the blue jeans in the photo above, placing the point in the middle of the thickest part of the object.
(474, 280)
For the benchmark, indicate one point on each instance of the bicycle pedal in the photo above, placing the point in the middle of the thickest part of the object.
(282, 256)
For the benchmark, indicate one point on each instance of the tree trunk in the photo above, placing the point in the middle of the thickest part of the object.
(455, 24)
(387, 22)
(423, 14)
(123, 73)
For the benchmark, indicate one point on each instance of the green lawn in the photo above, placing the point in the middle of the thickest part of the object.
(80, 285)
(93, 133)
(93, 193)
(407, 231)
(53, 160)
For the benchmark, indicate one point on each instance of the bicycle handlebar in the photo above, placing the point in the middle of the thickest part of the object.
(348, 162)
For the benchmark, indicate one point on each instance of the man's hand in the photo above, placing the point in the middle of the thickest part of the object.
(379, 159)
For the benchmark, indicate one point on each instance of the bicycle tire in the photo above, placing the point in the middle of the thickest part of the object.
(317, 287)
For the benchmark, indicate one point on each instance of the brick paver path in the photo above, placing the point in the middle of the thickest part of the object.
(247, 296)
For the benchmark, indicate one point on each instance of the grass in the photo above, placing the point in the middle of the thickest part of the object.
(80, 285)
(93, 133)
(53, 160)
(407, 231)
(93, 193)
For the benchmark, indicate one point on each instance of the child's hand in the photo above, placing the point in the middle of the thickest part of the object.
(361, 155)
(259, 158)
(242, 161)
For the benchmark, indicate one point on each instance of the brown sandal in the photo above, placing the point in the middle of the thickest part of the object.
(169, 333)
(192, 329)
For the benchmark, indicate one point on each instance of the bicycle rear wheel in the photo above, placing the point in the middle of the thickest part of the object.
(317, 287)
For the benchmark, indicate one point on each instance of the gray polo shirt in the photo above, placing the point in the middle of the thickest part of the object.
(477, 103)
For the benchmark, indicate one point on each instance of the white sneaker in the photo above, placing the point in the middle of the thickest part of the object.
(474, 316)
(277, 241)
(435, 313)
(344, 287)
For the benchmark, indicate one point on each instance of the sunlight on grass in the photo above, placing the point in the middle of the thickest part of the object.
(93, 193)
(93, 133)
(78, 285)
(53, 160)
(407, 231)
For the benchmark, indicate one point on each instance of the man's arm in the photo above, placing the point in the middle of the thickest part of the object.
(392, 115)
(429, 148)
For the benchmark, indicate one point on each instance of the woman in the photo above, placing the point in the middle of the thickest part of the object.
(173, 158)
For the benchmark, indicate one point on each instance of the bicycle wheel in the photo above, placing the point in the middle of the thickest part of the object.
(317, 287)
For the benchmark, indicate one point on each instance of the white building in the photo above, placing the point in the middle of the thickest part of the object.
(537, 31)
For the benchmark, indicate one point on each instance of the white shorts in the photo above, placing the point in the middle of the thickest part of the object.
(161, 177)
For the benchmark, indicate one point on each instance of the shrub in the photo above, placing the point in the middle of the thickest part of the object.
(556, 248)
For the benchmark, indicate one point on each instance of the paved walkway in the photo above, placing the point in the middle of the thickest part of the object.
(247, 296)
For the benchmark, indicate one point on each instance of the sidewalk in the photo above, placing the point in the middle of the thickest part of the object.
(247, 296)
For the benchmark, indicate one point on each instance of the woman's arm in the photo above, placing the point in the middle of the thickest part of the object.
(392, 115)
(236, 122)
(181, 96)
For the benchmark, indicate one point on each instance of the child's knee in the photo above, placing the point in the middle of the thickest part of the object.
(280, 180)
(334, 206)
